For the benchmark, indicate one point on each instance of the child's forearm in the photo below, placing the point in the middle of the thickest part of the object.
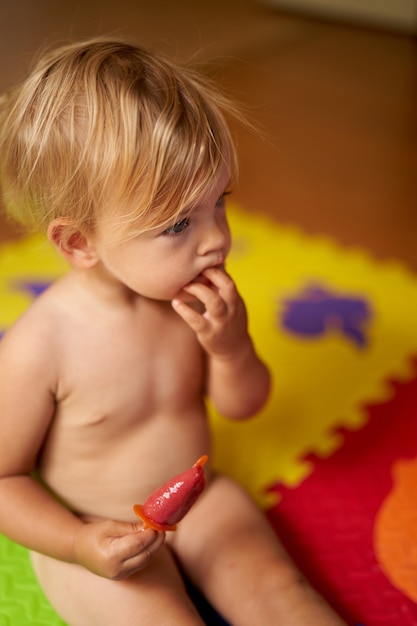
(239, 385)
(30, 516)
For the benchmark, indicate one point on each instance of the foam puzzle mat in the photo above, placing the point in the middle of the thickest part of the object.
(332, 458)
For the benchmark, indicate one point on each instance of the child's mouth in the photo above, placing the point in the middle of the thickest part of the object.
(202, 280)
(205, 281)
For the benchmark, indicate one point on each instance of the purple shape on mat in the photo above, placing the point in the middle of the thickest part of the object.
(316, 310)
(33, 287)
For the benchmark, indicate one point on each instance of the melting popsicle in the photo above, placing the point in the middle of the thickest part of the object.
(168, 504)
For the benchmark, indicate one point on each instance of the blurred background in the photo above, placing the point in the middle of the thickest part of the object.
(332, 83)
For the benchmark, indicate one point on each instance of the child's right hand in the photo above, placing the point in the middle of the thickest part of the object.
(115, 550)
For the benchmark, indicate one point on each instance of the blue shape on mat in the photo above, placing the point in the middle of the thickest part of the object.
(315, 311)
(32, 287)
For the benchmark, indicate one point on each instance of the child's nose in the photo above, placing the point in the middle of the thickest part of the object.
(216, 238)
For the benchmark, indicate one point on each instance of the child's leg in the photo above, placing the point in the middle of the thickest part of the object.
(229, 550)
(155, 595)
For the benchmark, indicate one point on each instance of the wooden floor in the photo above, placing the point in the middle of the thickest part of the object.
(337, 104)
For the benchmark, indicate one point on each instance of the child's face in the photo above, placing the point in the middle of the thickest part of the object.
(160, 262)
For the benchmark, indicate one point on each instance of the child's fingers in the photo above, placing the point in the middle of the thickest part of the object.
(211, 298)
(138, 549)
(195, 320)
(217, 276)
(133, 551)
(106, 547)
(222, 281)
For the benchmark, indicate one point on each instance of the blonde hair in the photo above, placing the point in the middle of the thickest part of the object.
(103, 129)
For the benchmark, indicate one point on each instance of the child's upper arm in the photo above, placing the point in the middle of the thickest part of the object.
(27, 376)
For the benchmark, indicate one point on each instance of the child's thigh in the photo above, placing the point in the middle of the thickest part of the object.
(228, 548)
(156, 595)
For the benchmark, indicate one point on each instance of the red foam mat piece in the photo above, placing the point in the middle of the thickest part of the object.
(327, 522)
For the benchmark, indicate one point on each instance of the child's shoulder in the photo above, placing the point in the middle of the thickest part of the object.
(30, 350)
(38, 322)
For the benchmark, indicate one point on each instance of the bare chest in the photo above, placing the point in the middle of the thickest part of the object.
(129, 408)
(128, 369)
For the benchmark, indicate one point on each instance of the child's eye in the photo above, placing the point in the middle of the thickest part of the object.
(177, 228)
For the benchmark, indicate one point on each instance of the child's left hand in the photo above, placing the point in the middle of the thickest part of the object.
(222, 327)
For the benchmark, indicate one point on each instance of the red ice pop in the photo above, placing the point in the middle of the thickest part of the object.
(168, 504)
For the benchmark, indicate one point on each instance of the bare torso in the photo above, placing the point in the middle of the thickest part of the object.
(129, 410)
(108, 397)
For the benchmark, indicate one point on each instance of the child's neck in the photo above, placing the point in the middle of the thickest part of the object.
(105, 289)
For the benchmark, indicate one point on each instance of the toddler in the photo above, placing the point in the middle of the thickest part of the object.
(124, 159)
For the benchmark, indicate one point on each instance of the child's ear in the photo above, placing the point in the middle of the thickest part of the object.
(74, 245)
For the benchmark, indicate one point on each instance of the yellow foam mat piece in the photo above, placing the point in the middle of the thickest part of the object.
(321, 382)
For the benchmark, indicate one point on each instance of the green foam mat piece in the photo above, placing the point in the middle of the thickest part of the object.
(22, 601)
